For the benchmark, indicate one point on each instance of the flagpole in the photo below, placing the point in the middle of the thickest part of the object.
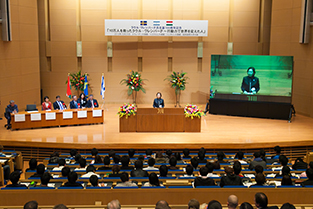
(101, 90)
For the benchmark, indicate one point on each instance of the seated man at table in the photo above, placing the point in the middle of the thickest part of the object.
(125, 181)
(14, 178)
(59, 104)
(158, 102)
(72, 178)
(91, 103)
(11, 108)
(74, 104)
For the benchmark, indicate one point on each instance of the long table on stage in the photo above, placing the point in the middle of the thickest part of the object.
(160, 120)
(38, 119)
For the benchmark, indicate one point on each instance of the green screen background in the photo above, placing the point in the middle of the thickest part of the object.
(274, 73)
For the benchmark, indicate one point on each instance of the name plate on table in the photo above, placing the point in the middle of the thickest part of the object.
(82, 114)
(50, 116)
(19, 118)
(35, 117)
(67, 115)
(96, 113)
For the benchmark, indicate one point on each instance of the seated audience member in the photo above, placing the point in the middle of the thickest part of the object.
(151, 163)
(159, 158)
(201, 156)
(54, 158)
(220, 157)
(90, 171)
(178, 157)
(77, 158)
(299, 164)
(173, 163)
(59, 104)
(202, 179)
(260, 180)
(32, 164)
(194, 162)
(245, 205)
(162, 204)
(303, 174)
(283, 160)
(74, 103)
(97, 160)
(168, 155)
(287, 206)
(61, 165)
(257, 161)
(149, 153)
(14, 178)
(106, 162)
(45, 179)
(125, 163)
(114, 204)
(6, 168)
(258, 169)
(186, 153)
(94, 181)
(138, 172)
(73, 153)
(115, 171)
(65, 171)
(92, 103)
(153, 181)
(31, 205)
(46, 105)
(116, 160)
(163, 171)
(216, 165)
(193, 204)
(141, 158)
(189, 171)
(285, 171)
(286, 181)
(94, 152)
(230, 178)
(262, 154)
(309, 174)
(111, 154)
(260, 200)
(82, 165)
(214, 204)
(237, 168)
(72, 178)
(131, 153)
(40, 170)
(60, 206)
(232, 202)
(210, 167)
(125, 181)
(239, 156)
(277, 150)
(11, 108)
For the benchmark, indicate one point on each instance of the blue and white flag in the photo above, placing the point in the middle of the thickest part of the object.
(102, 88)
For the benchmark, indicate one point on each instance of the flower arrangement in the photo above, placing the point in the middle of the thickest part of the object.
(78, 80)
(134, 82)
(178, 81)
(127, 110)
(193, 111)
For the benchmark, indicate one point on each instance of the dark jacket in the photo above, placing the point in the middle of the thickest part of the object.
(72, 105)
(157, 102)
(82, 102)
(37, 175)
(307, 183)
(257, 161)
(94, 101)
(139, 173)
(231, 179)
(15, 185)
(249, 82)
(68, 184)
(127, 168)
(56, 105)
(199, 181)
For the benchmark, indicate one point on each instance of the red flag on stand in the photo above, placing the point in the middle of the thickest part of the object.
(68, 91)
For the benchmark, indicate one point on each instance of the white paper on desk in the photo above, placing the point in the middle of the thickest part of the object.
(50, 116)
(35, 117)
(96, 113)
(67, 115)
(82, 114)
(3, 160)
(19, 118)
(9, 155)
(51, 185)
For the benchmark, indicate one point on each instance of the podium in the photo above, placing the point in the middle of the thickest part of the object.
(160, 120)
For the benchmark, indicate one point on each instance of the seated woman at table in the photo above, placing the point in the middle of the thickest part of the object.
(46, 105)
(82, 100)
(158, 102)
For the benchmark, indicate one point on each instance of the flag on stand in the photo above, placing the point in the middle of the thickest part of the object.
(86, 86)
(102, 88)
(68, 91)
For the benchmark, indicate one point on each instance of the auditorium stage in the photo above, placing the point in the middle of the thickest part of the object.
(217, 132)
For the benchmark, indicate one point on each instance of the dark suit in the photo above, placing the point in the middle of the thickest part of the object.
(94, 101)
(82, 102)
(231, 179)
(307, 183)
(8, 112)
(139, 173)
(73, 106)
(250, 82)
(56, 105)
(199, 181)
(158, 102)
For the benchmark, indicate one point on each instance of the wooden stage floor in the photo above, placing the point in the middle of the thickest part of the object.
(217, 132)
